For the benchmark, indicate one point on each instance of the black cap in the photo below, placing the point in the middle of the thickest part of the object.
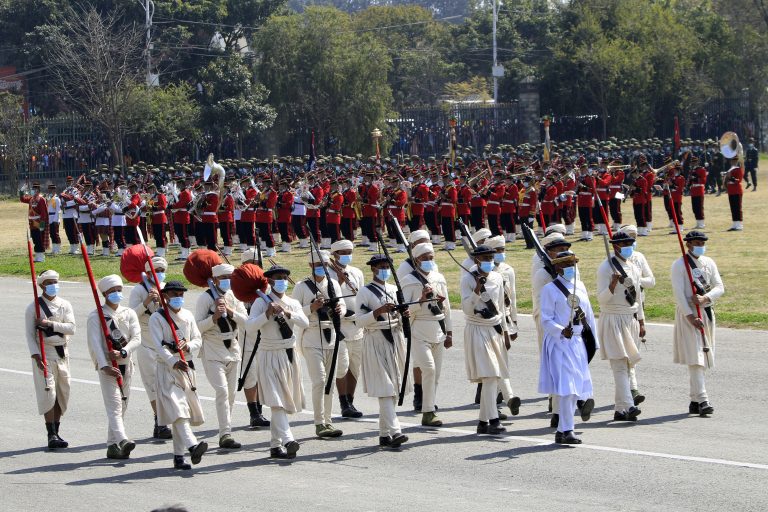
(621, 236)
(696, 235)
(174, 286)
(557, 242)
(378, 258)
(276, 269)
(482, 250)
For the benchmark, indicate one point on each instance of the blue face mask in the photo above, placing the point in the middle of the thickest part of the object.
(698, 250)
(52, 290)
(428, 265)
(626, 252)
(499, 257)
(486, 266)
(176, 302)
(224, 284)
(160, 276)
(569, 273)
(280, 285)
(115, 297)
(319, 271)
(383, 274)
(345, 259)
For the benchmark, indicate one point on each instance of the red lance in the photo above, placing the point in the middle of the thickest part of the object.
(37, 311)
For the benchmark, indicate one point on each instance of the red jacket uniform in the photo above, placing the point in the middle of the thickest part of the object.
(369, 194)
(585, 190)
(509, 201)
(419, 196)
(548, 202)
(249, 213)
(676, 186)
(527, 206)
(158, 209)
(397, 204)
(134, 218)
(569, 185)
(267, 201)
(465, 196)
(227, 209)
(434, 193)
(179, 208)
(448, 201)
(733, 184)
(333, 210)
(603, 182)
(478, 201)
(209, 215)
(284, 206)
(640, 191)
(38, 209)
(617, 180)
(698, 182)
(319, 193)
(494, 199)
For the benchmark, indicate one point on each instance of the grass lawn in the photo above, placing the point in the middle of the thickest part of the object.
(742, 264)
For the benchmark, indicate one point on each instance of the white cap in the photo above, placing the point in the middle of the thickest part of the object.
(158, 262)
(552, 238)
(481, 234)
(342, 245)
(422, 249)
(223, 269)
(45, 276)
(495, 242)
(109, 282)
(419, 234)
(629, 229)
(555, 228)
(312, 257)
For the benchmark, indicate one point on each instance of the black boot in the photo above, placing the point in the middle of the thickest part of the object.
(257, 418)
(54, 442)
(477, 393)
(554, 421)
(351, 399)
(347, 411)
(161, 431)
(180, 463)
(62, 443)
(495, 427)
(417, 397)
(499, 398)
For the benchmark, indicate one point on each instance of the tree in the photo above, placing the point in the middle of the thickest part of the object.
(96, 63)
(233, 103)
(17, 134)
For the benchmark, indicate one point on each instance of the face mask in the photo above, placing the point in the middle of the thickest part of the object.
(280, 285)
(176, 302)
(383, 274)
(698, 250)
(499, 257)
(626, 252)
(160, 276)
(428, 265)
(345, 259)
(52, 290)
(224, 284)
(115, 297)
(486, 266)
(319, 271)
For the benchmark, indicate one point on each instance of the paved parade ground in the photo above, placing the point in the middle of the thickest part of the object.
(667, 461)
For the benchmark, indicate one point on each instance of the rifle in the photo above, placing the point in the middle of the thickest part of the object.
(401, 306)
(40, 340)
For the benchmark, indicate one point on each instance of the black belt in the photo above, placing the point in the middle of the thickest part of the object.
(60, 351)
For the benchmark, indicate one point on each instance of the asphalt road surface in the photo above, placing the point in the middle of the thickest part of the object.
(668, 460)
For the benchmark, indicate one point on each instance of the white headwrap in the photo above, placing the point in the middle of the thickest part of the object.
(224, 269)
(109, 281)
(249, 256)
(422, 249)
(555, 228)
(495, 242)
(342, 245)
(552, 238)
(325, 257)
(45, 276)
(481, 234)
(158, 262)
(629, 229)
(419, 234)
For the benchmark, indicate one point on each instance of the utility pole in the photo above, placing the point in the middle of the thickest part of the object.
(149, 11)
(495, 64)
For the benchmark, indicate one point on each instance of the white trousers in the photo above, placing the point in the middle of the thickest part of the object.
(279, 428)
(429, 358)
(318, 359)
(567, 404)
(183, 438)
(223, 379)
(147, 369)
(114, 405)
(389, 425)
(350, 358)
(633, 378)
(488, 395)
(622, 394)
(698, 390)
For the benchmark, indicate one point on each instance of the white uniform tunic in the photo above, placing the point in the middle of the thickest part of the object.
(351, 348)
(146, 352)
(688, 348)
(54, 207)
(618, 325)
(63, 322)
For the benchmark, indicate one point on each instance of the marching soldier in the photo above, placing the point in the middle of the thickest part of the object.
(145, 300)
(698, 183)
(509, 208)
(333, 214)
(69, 215)
(673, 196)
(219, 316)
(54, 209)
(38, 219)
(226, 217)
(431, 327)
(564, 370)
(602, 184)
(639, 192)
(616, 187)
(383, 348)
(486, 334)
(317, 340)
(585, 202)
(448, 199)
(528, 206)
(348, 212)
(180, 213)
(209, 220)
(284, 207)
(158, 205)
(419, 196)
(57, 323)
(351, 281)
(495, 195)
(86, 203)
(369, 195)
(177, 402)
(690, 348)
(266, 203)
(622, 321)
(276, 318)
(126, 334)
(733, 178)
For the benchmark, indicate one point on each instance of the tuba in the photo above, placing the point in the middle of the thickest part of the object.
(730, 147)
(212, 169)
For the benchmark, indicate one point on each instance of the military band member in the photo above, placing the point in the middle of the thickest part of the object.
(351, 280)
(733, 178)
(86, 203)
(177, 402)
(383, 348)
(431, 327)
(284, 207)
(54, 213)
(334, 201)
(126, 333)
(585, 201)
(278, 318)
(687, 339)
(267, 201)
(69, 215)
(145, 300)
(614, 203)
(180, 214)
(209, 220)
(157, 206)
(698, 183)
(509, 208)
(57, 323)
(486, 334)
(318, 339)
(220, 316)
(104, 216)
(226, 216)
(37, 216)
(564, 370)
(622, 321)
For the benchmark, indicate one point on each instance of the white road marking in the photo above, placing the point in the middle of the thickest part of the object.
(459, 431)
